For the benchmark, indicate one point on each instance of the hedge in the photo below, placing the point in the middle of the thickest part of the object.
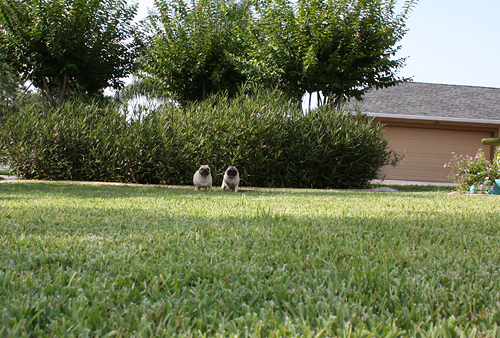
(265, 134)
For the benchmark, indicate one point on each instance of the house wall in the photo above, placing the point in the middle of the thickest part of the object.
(429, 144)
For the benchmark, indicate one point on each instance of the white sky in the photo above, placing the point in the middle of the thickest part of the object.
(449, 42)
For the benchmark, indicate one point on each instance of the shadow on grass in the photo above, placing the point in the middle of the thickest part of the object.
(346, 211)
(96, 190)
(112, 205)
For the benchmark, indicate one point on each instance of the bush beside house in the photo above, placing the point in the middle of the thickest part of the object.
(267, 135)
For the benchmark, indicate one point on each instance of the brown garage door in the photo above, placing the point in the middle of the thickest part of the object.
(427, 150)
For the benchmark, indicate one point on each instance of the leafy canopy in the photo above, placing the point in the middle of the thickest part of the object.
(189, 55)
(69, 47)
(339, 47)
(10, 86)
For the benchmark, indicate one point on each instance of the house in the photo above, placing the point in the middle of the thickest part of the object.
(430, 121)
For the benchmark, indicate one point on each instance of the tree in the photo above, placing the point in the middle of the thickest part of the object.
(69, 47)
(274, 55)
(339, 47)
(352, 46)
(10, 87)
(191, 48)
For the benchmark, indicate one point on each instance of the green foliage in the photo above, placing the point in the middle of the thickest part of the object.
(10, 87)
(14, 96)
(263, 132)
(275, 48)
(474, 170)
(188, 56)
(74, 141)
(276, 145)
(341, 48)
(88, 260)
(349, 46)
(69, 47)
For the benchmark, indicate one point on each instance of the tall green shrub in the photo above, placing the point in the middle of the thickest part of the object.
(264, 133)
(76, 141)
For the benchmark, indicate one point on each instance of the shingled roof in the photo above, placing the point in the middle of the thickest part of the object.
(433, 102)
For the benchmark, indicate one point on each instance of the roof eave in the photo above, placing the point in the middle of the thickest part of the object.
(432, 118)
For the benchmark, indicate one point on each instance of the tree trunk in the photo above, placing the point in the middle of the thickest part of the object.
(339, 96)
(338, 101)
(62, 94)
(50, 97)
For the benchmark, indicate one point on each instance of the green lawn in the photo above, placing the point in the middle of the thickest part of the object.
(92, 260)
